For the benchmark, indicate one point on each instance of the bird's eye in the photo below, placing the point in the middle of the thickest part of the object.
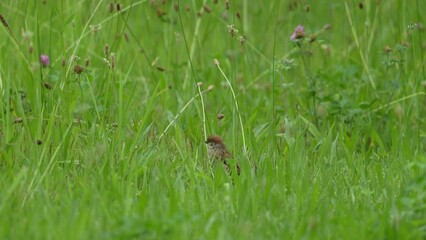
(211, 144)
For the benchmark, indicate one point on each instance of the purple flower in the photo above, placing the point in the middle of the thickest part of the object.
(44, 60)
(299, 32)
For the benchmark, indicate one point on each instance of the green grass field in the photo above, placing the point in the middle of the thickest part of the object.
(106, 106)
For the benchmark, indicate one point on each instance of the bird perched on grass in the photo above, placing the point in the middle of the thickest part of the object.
(217, 150)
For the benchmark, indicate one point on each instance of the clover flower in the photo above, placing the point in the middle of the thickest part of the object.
(44, 60)
(299, 32)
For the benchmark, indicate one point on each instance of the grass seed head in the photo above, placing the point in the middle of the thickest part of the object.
(327, 27)
(207, 9)
(112, 60)
(78, 69)
(106, 50)
(111, 7)
(3, 20)
(387, 49)
(47, 85)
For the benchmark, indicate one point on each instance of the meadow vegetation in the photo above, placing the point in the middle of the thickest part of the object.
(106, 106)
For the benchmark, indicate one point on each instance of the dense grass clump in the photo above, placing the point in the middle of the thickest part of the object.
(106, 106)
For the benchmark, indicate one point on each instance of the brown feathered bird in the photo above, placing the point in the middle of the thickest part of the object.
(217, 150)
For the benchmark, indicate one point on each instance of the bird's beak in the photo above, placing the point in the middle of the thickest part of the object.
(206, 142)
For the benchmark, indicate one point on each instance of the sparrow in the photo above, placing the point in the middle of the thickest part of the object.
(217, 150)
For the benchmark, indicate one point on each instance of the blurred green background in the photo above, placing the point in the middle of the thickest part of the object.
(106, 139)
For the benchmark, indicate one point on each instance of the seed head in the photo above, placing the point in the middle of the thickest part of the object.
(48, 85)
(207, 8)
(160, 12)
(308, 8)
(111, 7)
(232, 30)
(78, 69)
(327, 27)
(242, 40)
(112, 60)
(387, 49)
(106, 50)
(3, 20)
